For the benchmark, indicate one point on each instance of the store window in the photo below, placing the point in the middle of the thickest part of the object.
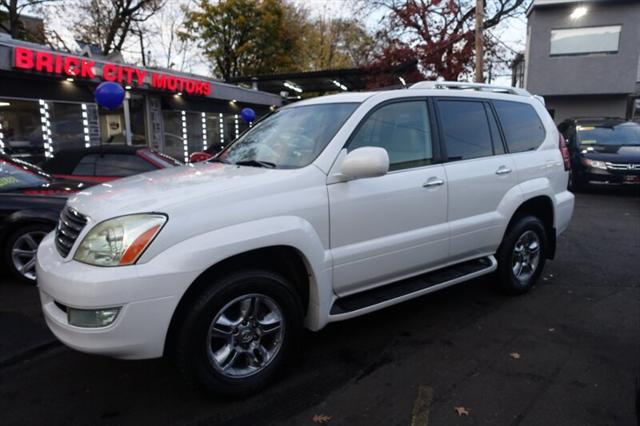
(67, 129)
(577, 41)
(173, 144)
(21, 130)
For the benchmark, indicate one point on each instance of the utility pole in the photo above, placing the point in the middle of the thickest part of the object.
(479, 40)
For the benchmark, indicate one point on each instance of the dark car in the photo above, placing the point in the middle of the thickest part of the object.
(30, 205)
(106, 163)
(603, 150)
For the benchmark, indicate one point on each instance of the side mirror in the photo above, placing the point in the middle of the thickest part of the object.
(365, 162)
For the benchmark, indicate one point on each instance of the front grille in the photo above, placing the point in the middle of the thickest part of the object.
(623, 166)
(69, 227)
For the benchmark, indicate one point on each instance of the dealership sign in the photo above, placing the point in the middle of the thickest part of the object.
(76, 67)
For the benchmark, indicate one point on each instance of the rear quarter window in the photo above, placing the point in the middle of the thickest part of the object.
(522, 127)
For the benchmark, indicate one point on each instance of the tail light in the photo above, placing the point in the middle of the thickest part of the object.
(565, 154)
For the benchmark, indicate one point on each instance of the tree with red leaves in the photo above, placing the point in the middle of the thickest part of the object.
(439, 34)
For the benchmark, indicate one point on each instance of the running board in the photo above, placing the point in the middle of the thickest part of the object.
(390, 294)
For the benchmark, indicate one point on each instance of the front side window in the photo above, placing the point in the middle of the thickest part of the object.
(465, 129)
(121, 165)
(521, 125)
(86, 166)
(402, 129)
(617, 133)
(289, 138)
(580, 41)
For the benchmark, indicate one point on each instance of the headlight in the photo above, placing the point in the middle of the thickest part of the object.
(119, 241)
(595, 164)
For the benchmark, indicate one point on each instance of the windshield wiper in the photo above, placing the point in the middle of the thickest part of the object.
(256, 163)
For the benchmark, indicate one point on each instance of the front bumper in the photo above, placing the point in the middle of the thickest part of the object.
(610, 177)
(146, 294)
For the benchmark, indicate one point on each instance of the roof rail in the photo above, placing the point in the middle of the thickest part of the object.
(461, 85)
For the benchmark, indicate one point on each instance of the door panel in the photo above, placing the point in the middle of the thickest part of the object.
(386, 227)
(475, 194)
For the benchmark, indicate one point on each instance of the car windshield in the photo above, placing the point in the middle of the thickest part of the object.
(289, 138)
(14, 175)
(627, 133)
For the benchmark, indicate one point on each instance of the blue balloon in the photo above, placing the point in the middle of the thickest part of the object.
(109, 95)
(248, 115)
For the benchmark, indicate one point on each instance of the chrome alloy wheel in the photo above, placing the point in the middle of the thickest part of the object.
(526, 255)
(23, 253)
(245, 336)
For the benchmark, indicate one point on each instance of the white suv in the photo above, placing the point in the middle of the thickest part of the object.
(327, 209)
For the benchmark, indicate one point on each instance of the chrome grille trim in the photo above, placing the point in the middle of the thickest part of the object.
(622, 166)
(70, 225)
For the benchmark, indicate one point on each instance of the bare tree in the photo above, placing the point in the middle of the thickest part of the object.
(14, 9)
(108, 23)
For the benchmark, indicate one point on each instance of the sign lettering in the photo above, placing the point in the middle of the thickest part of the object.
(72, 66)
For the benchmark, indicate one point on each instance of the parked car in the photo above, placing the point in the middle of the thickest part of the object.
(603, 150)
(30, 206)
(106, 163)
(329, 209)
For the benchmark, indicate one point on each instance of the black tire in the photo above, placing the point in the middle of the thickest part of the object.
(191, 351)
(17, 237)
(509, 282)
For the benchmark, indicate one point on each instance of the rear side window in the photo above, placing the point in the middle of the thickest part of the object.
(465, 129)
(86, 166)
(402, 128)
(121, 165)
(521, 125)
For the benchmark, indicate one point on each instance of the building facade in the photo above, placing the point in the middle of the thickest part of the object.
(584, 57)
(47, 104)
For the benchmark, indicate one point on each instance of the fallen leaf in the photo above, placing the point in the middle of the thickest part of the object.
(514, 355)
(321, 419)
(461, 410)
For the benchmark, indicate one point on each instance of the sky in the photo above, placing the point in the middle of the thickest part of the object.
(511, 33)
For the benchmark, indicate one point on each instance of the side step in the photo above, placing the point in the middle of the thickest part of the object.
(412, 287)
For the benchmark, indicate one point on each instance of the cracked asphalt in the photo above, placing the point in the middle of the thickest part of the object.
(577, 334)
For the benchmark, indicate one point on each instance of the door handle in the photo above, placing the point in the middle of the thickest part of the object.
(432, 181)
(503, 170)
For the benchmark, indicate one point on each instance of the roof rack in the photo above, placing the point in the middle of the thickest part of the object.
(461, 85)
(481, 87)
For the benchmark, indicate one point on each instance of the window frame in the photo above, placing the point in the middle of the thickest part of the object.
(435, 141)
(488, 108)
(595, 52)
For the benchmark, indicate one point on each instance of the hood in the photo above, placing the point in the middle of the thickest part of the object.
(612, 153)
(192, 188)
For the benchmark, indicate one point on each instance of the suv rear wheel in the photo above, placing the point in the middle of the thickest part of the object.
(522, 256)
(240, 332)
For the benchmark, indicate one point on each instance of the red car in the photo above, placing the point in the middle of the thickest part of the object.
(106, 163)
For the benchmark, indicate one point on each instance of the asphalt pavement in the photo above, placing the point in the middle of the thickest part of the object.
(567, 353)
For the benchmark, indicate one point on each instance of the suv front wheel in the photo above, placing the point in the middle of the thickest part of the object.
(521, 256)
(240, 332)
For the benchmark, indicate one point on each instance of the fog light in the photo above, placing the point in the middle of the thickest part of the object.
(92, 317)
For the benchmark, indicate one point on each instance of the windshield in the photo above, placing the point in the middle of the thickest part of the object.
(16, 176)
(618, 134)
(289, 138)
